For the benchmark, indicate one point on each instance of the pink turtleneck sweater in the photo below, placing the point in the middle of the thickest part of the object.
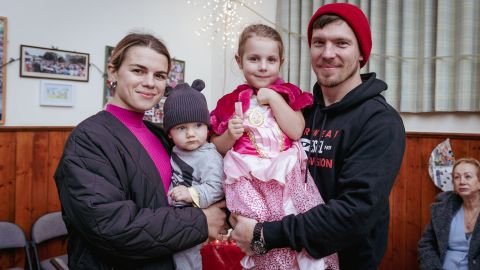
(154, 147)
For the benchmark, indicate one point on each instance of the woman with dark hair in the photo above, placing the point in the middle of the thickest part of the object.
(115, 172)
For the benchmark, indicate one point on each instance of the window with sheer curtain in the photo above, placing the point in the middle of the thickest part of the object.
(428, 51)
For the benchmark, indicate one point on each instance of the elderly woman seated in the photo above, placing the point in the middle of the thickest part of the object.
(452, 238)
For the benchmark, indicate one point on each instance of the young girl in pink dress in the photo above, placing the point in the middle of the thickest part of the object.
(257, 127)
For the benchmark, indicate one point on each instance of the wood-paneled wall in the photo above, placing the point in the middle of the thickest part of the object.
(413, 193)
(29, 157)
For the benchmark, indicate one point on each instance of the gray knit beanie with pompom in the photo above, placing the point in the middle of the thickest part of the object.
(185, 104)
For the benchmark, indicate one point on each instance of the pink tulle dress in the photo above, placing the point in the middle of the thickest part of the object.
(265, 180)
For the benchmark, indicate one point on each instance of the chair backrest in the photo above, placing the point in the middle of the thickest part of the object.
(12, 236)
(47, 227)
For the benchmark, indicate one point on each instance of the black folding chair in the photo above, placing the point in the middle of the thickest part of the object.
(45, 228)
(13, 237)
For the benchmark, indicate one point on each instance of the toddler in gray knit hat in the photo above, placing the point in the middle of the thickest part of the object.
(197, 167)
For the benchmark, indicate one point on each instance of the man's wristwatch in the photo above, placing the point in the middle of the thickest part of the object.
(258, 244)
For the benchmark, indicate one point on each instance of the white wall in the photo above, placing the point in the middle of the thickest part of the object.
(88, 26)
(226, 75)
(443, 122)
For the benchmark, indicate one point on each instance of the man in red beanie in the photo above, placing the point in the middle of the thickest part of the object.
(355, 142)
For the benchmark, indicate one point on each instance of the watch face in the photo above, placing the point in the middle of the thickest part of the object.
(258, 247)
(257, 244)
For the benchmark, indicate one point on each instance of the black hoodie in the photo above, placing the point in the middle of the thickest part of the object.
(355, 149)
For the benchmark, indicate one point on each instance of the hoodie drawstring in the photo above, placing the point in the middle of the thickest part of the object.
(311, 143)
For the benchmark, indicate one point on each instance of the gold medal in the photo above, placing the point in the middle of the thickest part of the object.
(256, 117)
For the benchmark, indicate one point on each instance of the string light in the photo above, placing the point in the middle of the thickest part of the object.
(223, 19)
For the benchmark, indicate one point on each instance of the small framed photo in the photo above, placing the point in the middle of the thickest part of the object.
(107, 92)
(177, 72)
(37, 62)
(56, 94)
(3, 67)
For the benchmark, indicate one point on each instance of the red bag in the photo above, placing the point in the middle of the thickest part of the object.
(221, 255)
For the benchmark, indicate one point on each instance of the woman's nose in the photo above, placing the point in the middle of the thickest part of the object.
(148, 80)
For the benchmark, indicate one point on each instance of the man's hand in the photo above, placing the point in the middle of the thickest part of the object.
(243, 233)
(215, 214)
(180, 193)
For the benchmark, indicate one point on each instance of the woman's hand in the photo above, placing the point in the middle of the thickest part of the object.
(215, 213)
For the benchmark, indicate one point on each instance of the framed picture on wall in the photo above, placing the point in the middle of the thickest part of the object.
(177, 72)
(3, 68)
(37, 62)
(56, 94)
(176, 76)
(107, 94)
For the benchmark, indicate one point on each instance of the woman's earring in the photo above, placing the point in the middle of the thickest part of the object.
(113, 85)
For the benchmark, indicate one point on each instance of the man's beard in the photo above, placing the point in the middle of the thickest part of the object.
(334, 83)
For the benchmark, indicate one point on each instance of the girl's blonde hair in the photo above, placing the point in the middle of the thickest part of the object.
(259, 30)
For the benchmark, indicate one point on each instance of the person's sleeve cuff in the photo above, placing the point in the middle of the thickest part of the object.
(274, 235)
(195, 197)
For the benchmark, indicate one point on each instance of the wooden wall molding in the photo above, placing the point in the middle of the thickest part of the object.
(35, 128)
(467, 136)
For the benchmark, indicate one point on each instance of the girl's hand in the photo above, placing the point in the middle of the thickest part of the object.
(180, 193)
(235, 127)
(265, 96)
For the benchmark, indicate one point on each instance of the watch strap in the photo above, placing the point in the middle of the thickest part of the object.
(257, 232)
(258, 245)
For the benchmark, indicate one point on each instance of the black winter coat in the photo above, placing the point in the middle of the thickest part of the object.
(433, 244)
(114, 203)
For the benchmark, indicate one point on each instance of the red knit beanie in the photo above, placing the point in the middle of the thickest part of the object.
(355, 18)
